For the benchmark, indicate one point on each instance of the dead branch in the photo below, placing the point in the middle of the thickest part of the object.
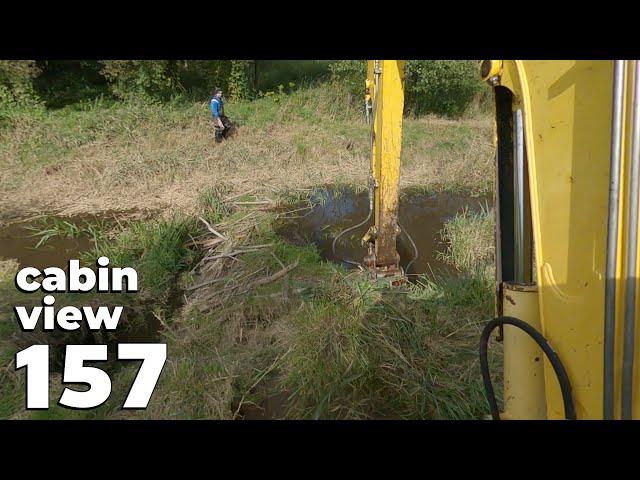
(257, 202)
(237, 195)
(272, 278)
(211, 229)
(208, 282)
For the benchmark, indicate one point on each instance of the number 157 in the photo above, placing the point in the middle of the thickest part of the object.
(36, 360)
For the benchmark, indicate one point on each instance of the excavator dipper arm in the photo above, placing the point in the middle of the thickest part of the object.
(385, 101)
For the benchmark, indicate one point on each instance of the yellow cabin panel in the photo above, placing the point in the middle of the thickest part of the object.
(567, 110)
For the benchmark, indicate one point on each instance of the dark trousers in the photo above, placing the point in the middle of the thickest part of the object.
(220, 133)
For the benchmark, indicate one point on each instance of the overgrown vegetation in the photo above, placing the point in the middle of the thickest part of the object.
(256, 327)
(150, 156)
(324, 342)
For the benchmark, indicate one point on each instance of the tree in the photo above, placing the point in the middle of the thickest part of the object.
(16, 82)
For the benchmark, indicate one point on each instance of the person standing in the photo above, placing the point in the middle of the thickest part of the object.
(221, 123)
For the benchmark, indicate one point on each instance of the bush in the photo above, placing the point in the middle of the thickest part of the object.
(443, 87)
(16, 82)
(162, 79)
(239, 88)
(351, 73)
(144, 79)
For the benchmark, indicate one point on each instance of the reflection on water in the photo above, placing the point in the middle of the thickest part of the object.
(421, 215)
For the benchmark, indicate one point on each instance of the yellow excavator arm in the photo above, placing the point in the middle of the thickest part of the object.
(384, 97)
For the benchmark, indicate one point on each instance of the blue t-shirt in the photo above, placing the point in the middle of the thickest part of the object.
(216, 107)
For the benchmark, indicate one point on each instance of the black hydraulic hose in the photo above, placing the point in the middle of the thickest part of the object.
(558, 368)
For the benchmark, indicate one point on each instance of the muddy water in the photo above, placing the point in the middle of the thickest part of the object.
(137, 323)
(271, 408)
(421, 215)
(18, 242)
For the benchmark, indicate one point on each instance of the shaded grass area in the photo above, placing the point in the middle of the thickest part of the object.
(323, 341)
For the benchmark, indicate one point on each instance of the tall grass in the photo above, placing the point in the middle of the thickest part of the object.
(362, 351)
(469, 239)
(156, 249)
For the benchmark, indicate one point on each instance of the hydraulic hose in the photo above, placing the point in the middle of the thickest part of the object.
(558, 368)
(372, 183)
(413, 244)
(335, 240)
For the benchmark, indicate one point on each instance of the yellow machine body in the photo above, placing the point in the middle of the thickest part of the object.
(563, 110)
(567, 112)
(524, 385)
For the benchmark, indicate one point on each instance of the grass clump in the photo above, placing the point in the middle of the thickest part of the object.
(54, 227)
(156, 249)
(212, 203)
(469, 240)
(384, 355)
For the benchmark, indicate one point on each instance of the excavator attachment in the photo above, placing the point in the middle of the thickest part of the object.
(384, 99)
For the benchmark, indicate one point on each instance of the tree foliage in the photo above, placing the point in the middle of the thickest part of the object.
(143, 79)
(444, 87)
(16, 82)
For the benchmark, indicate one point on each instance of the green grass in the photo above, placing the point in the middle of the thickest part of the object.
(211, 201)
(156, 249)
(469, 240)
(337, 345)
(51, 227)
